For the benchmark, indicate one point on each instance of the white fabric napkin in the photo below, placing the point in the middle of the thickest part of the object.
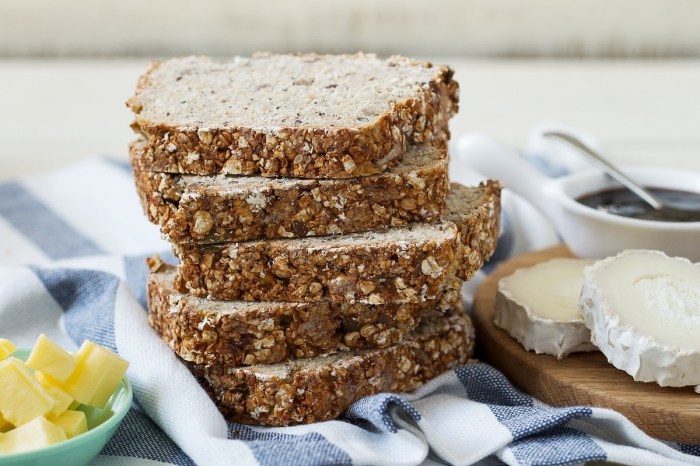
(72, 266)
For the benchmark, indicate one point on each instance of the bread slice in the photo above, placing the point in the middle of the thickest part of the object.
(303, 115)
(210, 209)
(320, 389)
(235, 333)
(397, 265)
(476, 211)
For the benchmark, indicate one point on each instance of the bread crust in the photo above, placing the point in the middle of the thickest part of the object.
(389, 270)
(235, 333)
(197, 209)
(479, 227)
(303, 151)
(300, 391)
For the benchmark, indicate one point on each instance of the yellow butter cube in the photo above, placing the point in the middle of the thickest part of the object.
(6, 348)
(96, 375)
(48, 357)
(22, 398)
(4, 425)
(62, 399)
(35, 434)
(72, 422)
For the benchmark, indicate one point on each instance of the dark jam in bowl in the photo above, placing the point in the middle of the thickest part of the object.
(620, 201)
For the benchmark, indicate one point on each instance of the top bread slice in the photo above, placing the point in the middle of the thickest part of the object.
(300, 115)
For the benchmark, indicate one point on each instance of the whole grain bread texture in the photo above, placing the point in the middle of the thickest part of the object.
(295, 115)
(235, 333)
(398, 265)
(212, 209)
(319, 389)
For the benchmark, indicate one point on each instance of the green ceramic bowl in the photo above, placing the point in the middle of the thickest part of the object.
(79, 450)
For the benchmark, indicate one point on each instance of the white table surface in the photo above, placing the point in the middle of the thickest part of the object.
(53, 112)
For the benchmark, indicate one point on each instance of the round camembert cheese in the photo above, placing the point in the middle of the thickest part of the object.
(538, 306)
(643, 310)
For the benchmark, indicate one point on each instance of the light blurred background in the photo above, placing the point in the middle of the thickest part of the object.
(626, 71)
(475, 28)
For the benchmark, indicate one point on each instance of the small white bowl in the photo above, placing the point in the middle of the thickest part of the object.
(588, 232)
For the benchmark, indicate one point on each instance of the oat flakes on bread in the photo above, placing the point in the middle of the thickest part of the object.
(212, 209)
(235, 333)
(319, 389)
(298, 115)
(406, 264)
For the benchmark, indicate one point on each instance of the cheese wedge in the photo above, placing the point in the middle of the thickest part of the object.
(97, 372)
(643, 310)
(35, 434)
(22, 398)
(72, 422)
(62, 400)
(538, 306)
(51, 359)
(6, 348)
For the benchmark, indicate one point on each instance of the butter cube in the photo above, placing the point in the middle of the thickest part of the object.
(4, 425)
(72, 422)
(96, 375)
(35, 434)
(62, 400)
(51, 359)
(6, 348)
(22, 398)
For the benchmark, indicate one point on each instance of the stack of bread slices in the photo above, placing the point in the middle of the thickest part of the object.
(321, 245)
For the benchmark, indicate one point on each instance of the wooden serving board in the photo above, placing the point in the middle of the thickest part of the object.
(581, 378)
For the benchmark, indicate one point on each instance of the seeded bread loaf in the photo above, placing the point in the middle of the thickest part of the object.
(237, 333)
(397, 265)
(303, 115)
(211, 209)
(320, 389)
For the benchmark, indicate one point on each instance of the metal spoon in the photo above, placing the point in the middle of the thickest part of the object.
(663, 211)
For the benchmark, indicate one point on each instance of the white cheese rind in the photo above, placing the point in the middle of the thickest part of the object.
(543, 336)
(529, 301)
(641, 355)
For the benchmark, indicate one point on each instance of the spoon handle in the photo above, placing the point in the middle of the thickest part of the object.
(608, 168)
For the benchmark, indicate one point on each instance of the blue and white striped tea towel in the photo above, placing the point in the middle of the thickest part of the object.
(72, 249)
